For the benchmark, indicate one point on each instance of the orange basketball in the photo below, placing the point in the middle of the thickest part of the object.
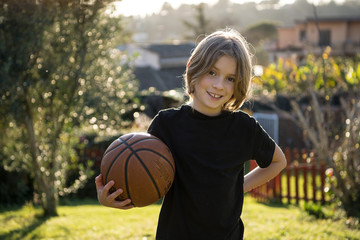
(142, 165)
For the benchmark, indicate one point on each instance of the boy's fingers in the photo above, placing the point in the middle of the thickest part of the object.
(98, 181)
(109, 185)
(116, 194)
(126, 204)
(110, 199)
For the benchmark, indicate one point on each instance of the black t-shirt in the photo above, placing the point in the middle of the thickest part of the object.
(206, 198)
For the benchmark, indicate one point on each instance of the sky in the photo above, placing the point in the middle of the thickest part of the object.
(141, 7)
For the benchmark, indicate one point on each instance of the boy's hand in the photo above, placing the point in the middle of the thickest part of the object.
(108, 199)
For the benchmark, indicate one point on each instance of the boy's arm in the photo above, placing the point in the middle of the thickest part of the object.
(259, 176)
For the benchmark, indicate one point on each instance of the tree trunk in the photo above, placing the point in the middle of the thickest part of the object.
(45, 185)
(50, 200)
(48, 194)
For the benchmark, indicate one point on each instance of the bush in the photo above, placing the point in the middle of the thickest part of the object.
(15, 187)
(315, 210)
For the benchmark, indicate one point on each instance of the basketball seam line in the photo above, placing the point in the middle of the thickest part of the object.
(126, 141)
(106, 152)
(109, 168)
(114, 160)
(122, 141)
(146, 169)
(159, 154)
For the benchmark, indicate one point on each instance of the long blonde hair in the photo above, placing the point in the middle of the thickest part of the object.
(225, 42)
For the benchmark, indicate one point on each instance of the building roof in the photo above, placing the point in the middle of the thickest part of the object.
(330, 19)
(172, 50)
(163, 79)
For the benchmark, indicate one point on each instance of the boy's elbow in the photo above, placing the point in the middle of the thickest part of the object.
(283, 163)
(281, 159)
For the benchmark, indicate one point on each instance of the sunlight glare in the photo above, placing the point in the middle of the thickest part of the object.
(143, 8)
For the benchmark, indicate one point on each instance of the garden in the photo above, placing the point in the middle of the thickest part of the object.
(67, 90)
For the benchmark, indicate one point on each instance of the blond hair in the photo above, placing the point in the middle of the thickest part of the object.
(225, 42)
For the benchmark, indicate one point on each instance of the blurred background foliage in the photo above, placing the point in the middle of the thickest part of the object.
(324, 95)
(60, 77)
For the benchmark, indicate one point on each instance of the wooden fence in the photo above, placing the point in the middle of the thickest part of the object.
(302, 179)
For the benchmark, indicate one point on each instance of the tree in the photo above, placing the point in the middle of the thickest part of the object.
(325, 98)
(201, 25)
(257, 35)
(264, 4)
(166, 8)
(59, 75)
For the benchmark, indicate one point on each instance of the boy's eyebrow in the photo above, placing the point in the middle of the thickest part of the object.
(232, 74)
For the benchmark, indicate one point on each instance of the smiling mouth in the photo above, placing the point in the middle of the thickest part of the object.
(215, 95)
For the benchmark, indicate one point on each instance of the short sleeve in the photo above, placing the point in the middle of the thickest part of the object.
(264, 147)
(154, 127)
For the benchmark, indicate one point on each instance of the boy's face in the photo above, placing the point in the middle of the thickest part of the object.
(215, 87)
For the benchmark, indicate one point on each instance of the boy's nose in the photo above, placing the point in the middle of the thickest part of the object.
(218, 83)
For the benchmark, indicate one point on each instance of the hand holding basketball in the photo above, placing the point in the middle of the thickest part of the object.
(107, 199)
(139, 164)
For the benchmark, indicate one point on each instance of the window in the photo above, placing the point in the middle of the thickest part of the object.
(302, 35)
(325, 38)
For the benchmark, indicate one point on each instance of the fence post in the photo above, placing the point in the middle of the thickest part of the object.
(277, 187)
(313, 171)
(288, 172)
(322, 177)
(305, 167)
(296, 173)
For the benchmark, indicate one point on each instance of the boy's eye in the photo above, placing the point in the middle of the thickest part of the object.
(231, 79)
(212, 73)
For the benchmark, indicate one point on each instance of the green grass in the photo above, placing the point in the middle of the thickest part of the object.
(86, 221)
(289, 222)
(89, 220)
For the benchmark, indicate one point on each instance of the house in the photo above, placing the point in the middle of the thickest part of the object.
(312, 35)
(341, 34)
(159, 69)
(160, 65)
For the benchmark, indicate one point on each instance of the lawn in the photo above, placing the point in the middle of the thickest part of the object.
(89, 220)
